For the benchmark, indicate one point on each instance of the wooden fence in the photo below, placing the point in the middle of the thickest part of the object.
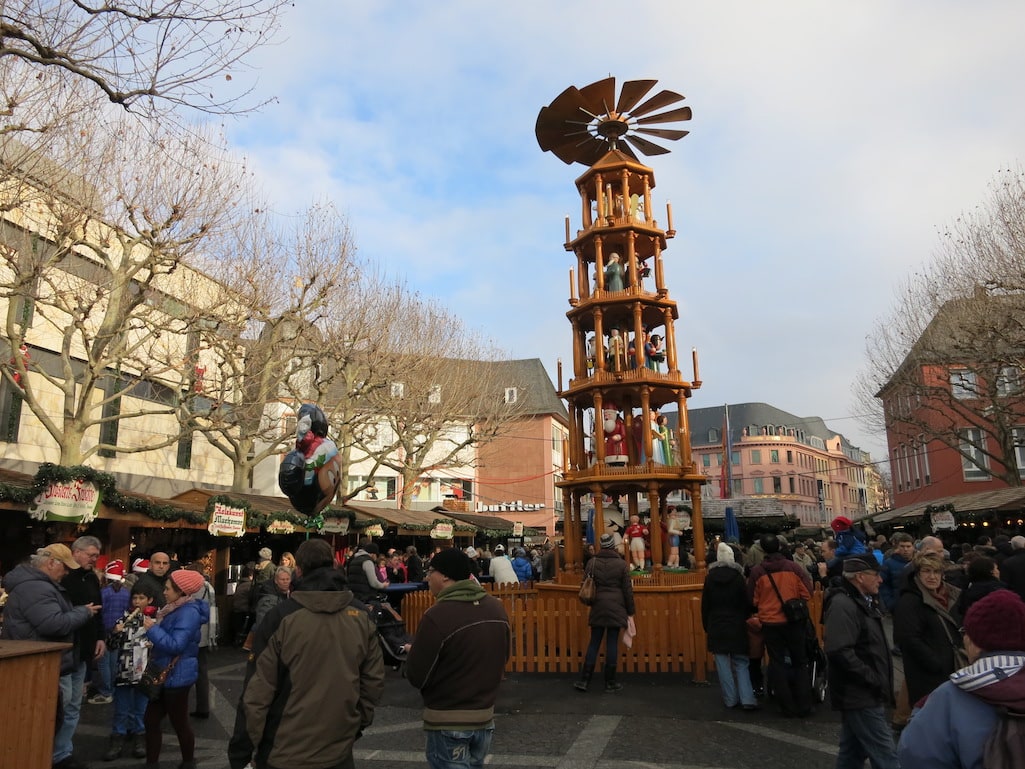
(550, 632)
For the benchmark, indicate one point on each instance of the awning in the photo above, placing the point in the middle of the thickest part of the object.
(408, 523)
(999, 500)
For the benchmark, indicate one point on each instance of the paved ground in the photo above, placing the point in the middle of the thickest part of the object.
(655, 722)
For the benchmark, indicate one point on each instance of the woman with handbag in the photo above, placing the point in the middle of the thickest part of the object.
(926, 627)
(175, 638)
(611, 611)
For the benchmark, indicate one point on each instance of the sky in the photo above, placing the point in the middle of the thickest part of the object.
(830, 142)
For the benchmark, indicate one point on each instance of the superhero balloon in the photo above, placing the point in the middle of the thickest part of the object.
(311, 473)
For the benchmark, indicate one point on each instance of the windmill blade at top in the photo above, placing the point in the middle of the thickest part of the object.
(683, 113)
(658, 101)
(633, 91)
(663, 133)
(599, 97)
(648, 148)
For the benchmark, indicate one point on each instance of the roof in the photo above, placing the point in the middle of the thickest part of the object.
(538, 396)
(405, 520)
(744, 414)
(975, 502)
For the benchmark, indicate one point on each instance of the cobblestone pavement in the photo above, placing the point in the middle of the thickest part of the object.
(655, 722)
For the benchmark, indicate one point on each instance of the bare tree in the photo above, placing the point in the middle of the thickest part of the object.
(947, 360)
(139, 54)
(440, 396)
(96, 278)
(293, 281)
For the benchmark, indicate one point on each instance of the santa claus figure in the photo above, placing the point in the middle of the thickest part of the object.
(615, 436)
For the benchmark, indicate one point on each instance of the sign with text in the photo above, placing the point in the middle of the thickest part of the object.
(518, 529)
(281, 527)
(74, 501)
(442, 531)
(943, 520)
(377, 530)
(336, 526)
(227, 521)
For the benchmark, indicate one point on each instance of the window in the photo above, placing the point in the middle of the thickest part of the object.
(737, 487)
(777, 485)
(713, 436)
(511, 394)
(184, 461)
(758, 486)
(434, 396)
(1009, 381)
(756, 456)
(790, 457)
(398, 390)
(774, 456)
(791, 484)
(897, 480)
(974, 461)
(734, 457)
(963, 384)
(10, 412)
(111, 411)
(1019, 449)
(706, 460)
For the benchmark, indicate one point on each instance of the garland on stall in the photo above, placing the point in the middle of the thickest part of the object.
(111, 497)
(508, 533)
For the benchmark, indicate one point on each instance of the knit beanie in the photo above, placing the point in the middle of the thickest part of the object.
(724, 553)
(265, 554)
(188, 581)
(997, 622)
(841, 523)
(607, 542)
(452, 563)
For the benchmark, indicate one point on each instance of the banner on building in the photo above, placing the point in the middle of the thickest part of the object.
(74, 501)
(227, 521)
(442, 531)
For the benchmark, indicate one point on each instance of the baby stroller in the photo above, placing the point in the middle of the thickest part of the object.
(391, 631)
(817, 666)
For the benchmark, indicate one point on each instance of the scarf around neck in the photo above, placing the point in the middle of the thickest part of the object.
(167, 608)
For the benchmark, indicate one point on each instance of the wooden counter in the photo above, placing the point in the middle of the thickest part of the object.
(29, 672)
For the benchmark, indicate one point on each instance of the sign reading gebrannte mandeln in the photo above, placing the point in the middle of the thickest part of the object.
(74, 501)
(227, 521)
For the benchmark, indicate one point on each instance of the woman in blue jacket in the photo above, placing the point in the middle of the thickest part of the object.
(175, 635)
(521, 565)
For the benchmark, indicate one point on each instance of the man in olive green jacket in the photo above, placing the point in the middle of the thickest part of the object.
(311, 696)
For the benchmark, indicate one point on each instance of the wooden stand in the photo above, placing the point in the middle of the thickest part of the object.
(30, 671)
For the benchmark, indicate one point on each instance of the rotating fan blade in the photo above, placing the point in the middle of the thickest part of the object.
(561, 119)
(626, 149)
(633, 91)
(568, 149)
(658, 101)
(648, 148)
(663, 133)
(599, 97)
(683, 113)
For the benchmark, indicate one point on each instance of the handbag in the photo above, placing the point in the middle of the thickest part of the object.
(152, 682)
(795, 610)
(587, 589)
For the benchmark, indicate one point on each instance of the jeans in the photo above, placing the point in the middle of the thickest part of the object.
(611, 646)
(106, 666)
(725, 665)
(129, 709)
(465, 749)
(71, 695)
(865, 734)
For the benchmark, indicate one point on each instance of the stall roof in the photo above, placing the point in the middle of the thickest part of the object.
(405, 520)
(976, 502)
(481, 521)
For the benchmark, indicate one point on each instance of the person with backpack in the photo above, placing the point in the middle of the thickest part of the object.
(976, 720)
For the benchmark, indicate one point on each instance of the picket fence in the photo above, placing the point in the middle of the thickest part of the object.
(550, 632)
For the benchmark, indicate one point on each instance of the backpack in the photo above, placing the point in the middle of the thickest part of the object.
(1006, 743)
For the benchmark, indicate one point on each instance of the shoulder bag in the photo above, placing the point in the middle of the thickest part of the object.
(152, 682)
(587, 588)
(795, 610)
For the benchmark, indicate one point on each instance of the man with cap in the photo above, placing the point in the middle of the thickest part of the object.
(38, 609)
(116, 599)
(264, 566)
(457, 662)
(860, 667)
(501, 568)
(968, 721)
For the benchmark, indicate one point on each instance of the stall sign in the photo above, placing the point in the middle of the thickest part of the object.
(377, 530)
(518, 529)
(442, 531)
(74, 501)
(336, 526)
(281, 527)
(227, 521)
(943, 520)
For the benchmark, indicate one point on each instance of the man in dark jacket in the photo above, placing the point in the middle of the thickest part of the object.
(154, 579)
(860, 668)
(457, 662)
(774, 582)
(1012, 572)
(39, 609)
(319, 671)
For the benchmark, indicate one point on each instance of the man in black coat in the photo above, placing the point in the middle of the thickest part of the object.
(1012, 571)
(860, 667)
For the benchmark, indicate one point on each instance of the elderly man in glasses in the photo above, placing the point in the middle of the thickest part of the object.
(39, 609)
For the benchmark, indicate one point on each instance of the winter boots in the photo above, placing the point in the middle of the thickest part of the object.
(611, 685)
(117, 745)
(139, 745)
(585, 678)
